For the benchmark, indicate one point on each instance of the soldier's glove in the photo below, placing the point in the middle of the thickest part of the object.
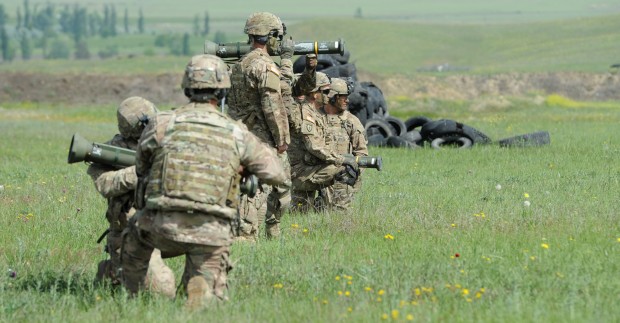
(348, 175)
(351, 161)
(311, 62)
(287, 48)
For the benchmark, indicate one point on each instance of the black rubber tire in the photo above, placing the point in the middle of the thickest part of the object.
(533, 139)
(415, 122)
(413, 136)
(377, 140)
(462, 142)
(400, 142)
(398, 126)
(381, 125)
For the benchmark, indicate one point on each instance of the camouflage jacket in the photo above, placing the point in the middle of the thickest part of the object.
(294, 85)
(345, 134)
(182, 158)
(116, 185)
(255, 98)
(308, 137)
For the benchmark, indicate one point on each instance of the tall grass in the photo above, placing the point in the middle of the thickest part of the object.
(436, 236)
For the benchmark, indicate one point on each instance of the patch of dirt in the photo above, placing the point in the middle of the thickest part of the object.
(165, 89)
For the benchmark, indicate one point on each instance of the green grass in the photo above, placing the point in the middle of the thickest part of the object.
(434, 204)
(389, 47)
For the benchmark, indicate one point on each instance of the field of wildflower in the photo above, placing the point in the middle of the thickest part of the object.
(487, 234)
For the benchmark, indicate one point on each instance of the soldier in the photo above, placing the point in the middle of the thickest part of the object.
(255, 98)
(313, 165)
(118, 186)
(345, 134)
(188, 163)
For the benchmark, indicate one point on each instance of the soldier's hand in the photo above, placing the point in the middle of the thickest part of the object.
(287, 48)
(282, 149)
(311, 61)
(351, 161)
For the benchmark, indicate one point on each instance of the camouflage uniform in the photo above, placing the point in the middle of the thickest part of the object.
(118, 186)
(255, 98)
(345, 134)
(313, 165)
(188, 164)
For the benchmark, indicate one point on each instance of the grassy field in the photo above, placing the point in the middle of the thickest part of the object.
(388, 47)
(433, 237)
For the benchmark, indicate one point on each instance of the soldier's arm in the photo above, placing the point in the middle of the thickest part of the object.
(314, 143)
(115, 183)
(259, 159)
(286, 70)
(273, 107)
(358, 139)
(307, 80)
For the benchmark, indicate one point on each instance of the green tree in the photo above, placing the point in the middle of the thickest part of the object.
(59, 49)
(112, 20)
(26, 46)
(358, 12)
(81, 50)
(126, 21)
(196, 29)
(27, 17)
(141, 22)
(8, 52)
(205, 27)
(79, 28)
(45, 20)
(65, 20)
(3, 16)
(105, 25)
(186, 51)
(94, 23)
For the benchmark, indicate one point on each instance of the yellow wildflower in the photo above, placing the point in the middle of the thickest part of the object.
(294, 226)
(527, 196)
(368, 289)
(380, 292)
(384, 316)
(544, 246)
(337, 277)
(388, 237)
(347, 293)
(409, 317)
(395, 314)
(465, 291)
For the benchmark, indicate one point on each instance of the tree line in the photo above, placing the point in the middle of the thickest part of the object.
(42, 26)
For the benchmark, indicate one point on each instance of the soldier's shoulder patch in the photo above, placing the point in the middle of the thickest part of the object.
(307, 127)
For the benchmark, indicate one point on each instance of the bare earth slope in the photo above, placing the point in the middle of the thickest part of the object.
(165, 89)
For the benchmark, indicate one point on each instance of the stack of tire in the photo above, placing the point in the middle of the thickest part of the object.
(366, 100)
(368, 104)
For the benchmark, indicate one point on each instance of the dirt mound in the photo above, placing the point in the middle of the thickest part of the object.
(164, 89)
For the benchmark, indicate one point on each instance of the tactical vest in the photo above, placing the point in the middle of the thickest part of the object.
(338, 134)
(197, 163)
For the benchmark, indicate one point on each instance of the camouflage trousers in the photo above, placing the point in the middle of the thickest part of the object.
(339, 196)
(204, 280)
(307, 180)
(160, 278)
(268, 206)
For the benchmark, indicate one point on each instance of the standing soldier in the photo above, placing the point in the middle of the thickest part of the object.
(188, 163)
(118, 186)
(314, 166)
(255, 98)
(345, 135)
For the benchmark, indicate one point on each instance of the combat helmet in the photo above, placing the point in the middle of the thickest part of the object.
(133, 115)
(205, 76)
(339, 87)
(263, 23)
(322, 82)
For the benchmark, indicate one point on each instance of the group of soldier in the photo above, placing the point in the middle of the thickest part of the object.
(182, 197)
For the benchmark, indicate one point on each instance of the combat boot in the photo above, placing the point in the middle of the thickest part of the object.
(272, 230)
(198, 293)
